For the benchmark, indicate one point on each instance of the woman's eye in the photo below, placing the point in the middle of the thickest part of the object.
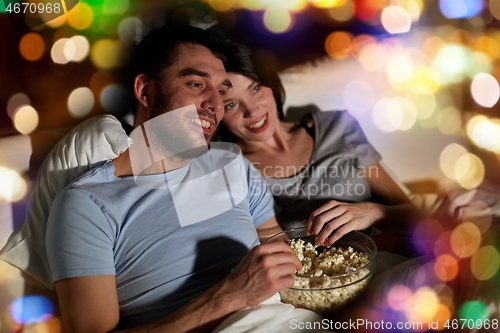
(257, 88)
(229, 106)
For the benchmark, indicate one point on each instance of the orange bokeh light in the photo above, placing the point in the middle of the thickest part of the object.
(465, 239)
(360, 42)
(31, 46)
(446, 267)
(338, 45)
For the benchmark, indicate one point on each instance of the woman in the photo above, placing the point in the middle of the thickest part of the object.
(322, 171)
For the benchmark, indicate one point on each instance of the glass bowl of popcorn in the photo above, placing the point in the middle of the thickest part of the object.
(331, 277)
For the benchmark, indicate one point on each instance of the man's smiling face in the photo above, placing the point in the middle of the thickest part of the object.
(196, 77)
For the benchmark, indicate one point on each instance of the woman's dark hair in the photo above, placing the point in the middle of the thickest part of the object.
(256, 66)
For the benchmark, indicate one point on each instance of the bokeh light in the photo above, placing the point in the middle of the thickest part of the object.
(52, 325)
(426, 233)
(480, 63)
(488, 46)
(80, 102)
(25, 119)
(485, 90)
(469, 171)
(99, 81)
(341, 13)
(13, 187)
(16, 101)
(465, 239)
(53, 23)
(396, 20)
(277, 20)
(108, 54)
(115, 7)
(62, 53)
(423, 99)
(412, 7)
(480, 214)
(446, 267)
(338, 45)
(449, 157)
(399, 68)
(31, 46)
(442, 244)
(31, 309)
(130, 30)
(82, 47)
(427, 77)
(327, 3)
(81, 16)
(441, 316)
(373, 57)
(473, 310)
(359, 43)
(365, 10)
(486, 134)
(494, 6)
(352, 102)
(454, 9)
(432, 46)
(449, 121)
(409, 113)
(387, 114)
(485, 263)
(398, 296)
(222, 5)
(422, 305)
(472, 123)
(453, 60)
(115, 98)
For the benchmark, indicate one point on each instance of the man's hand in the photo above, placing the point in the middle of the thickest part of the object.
(342, 216)
(263, 272)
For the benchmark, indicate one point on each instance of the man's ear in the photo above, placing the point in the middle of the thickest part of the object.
(142, 89)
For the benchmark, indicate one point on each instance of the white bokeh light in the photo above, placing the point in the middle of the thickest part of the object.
(485, 90)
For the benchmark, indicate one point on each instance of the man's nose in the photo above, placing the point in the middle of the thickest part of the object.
(212, 101)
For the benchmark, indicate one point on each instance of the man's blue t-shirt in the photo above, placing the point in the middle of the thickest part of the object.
(166, 240)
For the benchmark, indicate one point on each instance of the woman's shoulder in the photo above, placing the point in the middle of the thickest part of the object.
(332, 120)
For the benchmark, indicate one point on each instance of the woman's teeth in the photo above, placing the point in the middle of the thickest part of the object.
(202, 123)
(260, 123)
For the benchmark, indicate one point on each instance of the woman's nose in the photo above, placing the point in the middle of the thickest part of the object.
(250, 111)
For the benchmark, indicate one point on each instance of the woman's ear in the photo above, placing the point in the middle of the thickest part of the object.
(142, 89)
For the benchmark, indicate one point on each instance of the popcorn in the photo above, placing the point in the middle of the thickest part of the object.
(321, 273)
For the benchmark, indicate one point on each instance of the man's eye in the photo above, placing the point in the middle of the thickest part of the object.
(229, 106)
(197, 85)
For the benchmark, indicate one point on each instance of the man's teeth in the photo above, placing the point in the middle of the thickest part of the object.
(202, 123)
(260, 123)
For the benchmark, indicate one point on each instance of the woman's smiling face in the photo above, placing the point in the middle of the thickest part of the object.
(251, 112)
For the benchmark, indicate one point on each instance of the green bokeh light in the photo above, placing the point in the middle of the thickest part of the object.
(473, 310)
(94, 2)
(115, 6)
(2, 7)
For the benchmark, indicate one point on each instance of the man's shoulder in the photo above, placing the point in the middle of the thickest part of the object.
(87, 181)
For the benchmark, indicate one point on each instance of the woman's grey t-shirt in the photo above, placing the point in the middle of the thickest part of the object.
(340, 151)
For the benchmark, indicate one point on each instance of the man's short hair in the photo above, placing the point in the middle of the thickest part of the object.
(159, 49)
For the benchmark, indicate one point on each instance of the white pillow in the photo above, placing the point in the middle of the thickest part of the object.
(95, 140)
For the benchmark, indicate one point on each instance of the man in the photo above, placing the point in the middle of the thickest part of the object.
(119, 253)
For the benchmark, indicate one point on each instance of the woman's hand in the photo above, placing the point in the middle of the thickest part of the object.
(342, 216)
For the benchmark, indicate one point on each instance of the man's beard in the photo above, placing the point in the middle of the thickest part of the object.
(178, 143)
